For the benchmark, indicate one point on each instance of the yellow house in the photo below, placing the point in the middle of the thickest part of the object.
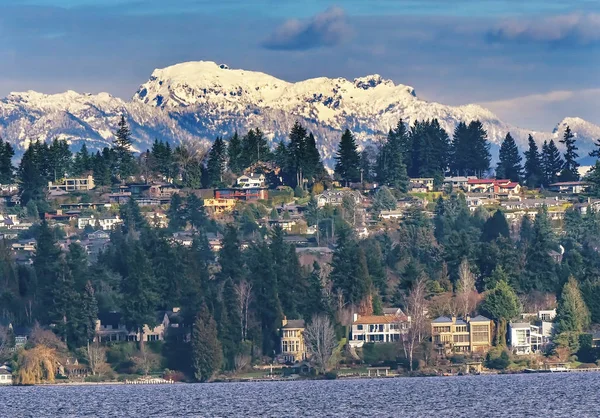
(220, 205)
(462, 335)
(293, 348)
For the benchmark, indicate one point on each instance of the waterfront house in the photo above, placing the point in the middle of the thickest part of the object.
(293, 348)
(6, 377)
(378, 328)
(452, 334)
(110, 327)
(526, 338)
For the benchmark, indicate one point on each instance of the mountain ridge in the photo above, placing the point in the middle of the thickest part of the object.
(197, 101)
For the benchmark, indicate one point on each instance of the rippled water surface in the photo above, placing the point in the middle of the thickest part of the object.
(541, 395)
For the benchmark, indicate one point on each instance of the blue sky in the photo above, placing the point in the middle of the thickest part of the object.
(532, 62)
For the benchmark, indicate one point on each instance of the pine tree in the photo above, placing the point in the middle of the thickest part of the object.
(255, 148)
(393, 157)
(534, 174)
(479, 157)
(502, 305)
(350, 274)
(61, 309)
(495, 227)
(569, 171)
(176, 213)
(459, 150)
(122, 146)
(31, 180)
(216, 164)
(207, 355)
(47, 269)
(6, 168)
(347, 166)
(551, 162)
(230, 256)
(234, 154)
(509, 166)
(195, 212)
(572, 314)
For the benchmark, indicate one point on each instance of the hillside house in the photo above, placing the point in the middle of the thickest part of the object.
(458, 182)
(454, 334)
(251, 181)
(110, 327)
(423, 183)
(378, 328)
(569, 187)
(105, 223)
(246, 194)
(336, 197)
(73, 184)
(218, 206)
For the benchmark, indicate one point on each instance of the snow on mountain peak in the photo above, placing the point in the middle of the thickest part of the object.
(201, 100)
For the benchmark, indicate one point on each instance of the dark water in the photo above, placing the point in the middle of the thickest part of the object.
(547, 395)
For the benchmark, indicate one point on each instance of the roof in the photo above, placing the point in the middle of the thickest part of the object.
(510, 185)
(391, 311)
(110, 318)
(569, 183)
(481, 181)
(294, 323)
(460, 322)
(520, 325)
(442, 319)
(480, 318)
(4, 371)
(379, 319)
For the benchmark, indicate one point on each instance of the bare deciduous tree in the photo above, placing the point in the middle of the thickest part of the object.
(244, 294)
(319, 337)
(96, 356)
(465, 289)
(415, 309)
(241, 361)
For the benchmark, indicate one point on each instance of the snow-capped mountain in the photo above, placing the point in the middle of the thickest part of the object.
(200, 100)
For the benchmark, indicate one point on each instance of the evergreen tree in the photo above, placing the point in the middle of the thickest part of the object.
(393, 157)
(350, 274)
(60, 309)
(31, 181)
(122, 145)
(480, 157)
(234, 154)
(230, 256)
(540, 273)
(569, 171)
(459, 150)
(59, 159)
(384, 200)
(551, 162)
(83, 162)
(495, 227)
(138, 288)
(429, 150)
(6, 168)
(534, 174)
(47, 269)
(347, 166)
(217, 159)
(509, 166)
(254, 148)
(502, 305)
(176, 213)
(593, 178)
(206, 348)
(195, 212)
(572, 314)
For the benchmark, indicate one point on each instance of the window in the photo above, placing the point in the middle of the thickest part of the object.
(441, 329)
(480, 333)
(359, 327)
(461, 328)
(461, 338)
(284, 346)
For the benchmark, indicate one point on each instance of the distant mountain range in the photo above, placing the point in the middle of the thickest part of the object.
(197, 101)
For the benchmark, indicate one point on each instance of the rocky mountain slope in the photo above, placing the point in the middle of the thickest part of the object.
(200, 100)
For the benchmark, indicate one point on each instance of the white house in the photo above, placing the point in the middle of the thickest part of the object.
(336, 197)
(106, 224)
(251, 181)
(526, 338)
(378, 328)
(458, 182)
(5, 376)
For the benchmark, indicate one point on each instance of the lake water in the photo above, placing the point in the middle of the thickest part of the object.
(539, 395)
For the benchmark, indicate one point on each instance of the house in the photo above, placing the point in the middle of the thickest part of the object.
(9, 188)
(473, 202)
(425, 183)
(119, 198)
(98, 235)
(392, 214)
(454, 334)
(245, 194)
(494, 186)
(162, 191)
(336, 197)
(571, 187)
(28, 245)
(157, 219)
(73, 184)
(378, 328)
(596, 339)
(293, 347)
(106, 223)
(218, 206)
(251, 181)
(458, 182)
(110, 327)
(72, 368)
(6, 377)
(526, 338)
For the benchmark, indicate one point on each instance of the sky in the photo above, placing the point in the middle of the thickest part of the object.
(531, 62)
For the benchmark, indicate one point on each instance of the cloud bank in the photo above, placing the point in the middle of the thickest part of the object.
(576, 28)
(322, 30)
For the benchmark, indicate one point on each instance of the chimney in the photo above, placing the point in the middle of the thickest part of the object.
(467, 318)
(284, 321)
(454, 319)
(354, 317)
